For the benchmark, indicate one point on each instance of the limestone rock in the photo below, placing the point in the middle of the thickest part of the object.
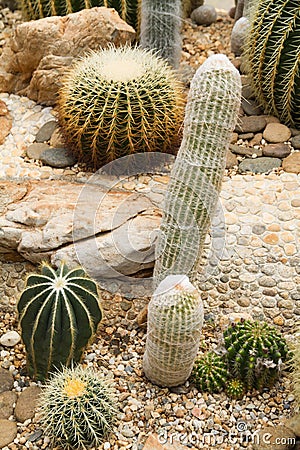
(276, 132)
(8, 432)
(5, 122)
(204, 15)
(292, 163)
(27, 403)
(10, 339)
(38, 53)
(6, 380)
(7, 401)
(238, 35)
(279, 437)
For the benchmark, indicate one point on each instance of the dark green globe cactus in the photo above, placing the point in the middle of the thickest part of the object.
(78, 409)
(59, 312)
(210, 373)
(255, 352)
(116, 102)
(272, 55)
(235, 388)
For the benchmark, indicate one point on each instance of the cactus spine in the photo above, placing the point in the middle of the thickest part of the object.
(161, 27)
(210, 373)
(211, 114)
(37, 9)
(58, 314)
(255, 352)
(175, 316)
(119, 101)
(77, 409)
(272, 55)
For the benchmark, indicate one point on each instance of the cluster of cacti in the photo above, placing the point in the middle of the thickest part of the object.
(77, 409)
(235, 388)
(116, 102)
(37, 9)
(192, 194)
(272, 56)
(161, 28)
(175, 317)
(210, 373)
(255, 352)
(58, 314)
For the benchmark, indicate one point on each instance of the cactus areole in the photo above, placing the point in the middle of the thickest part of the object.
(58, 314)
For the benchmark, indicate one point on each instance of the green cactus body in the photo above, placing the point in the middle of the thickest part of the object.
(117, 102)
(255, 351)
(210, 373)
(192, 194)
(161, 28)
(235, 388)
(272, 55)
(37, 9)
(175, 317)
(58, 314)
(77, 409)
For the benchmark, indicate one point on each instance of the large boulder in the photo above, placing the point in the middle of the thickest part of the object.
(38, 53)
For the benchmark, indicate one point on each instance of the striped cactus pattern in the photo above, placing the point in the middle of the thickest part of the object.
(175, 317)
(196, 177)
(272, 53)
(58, 313)
(161, 28)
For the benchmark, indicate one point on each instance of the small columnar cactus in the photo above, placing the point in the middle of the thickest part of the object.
(196, 177)
(116, 102)
(235, 388)
(58, 314)
(37, 9)
(78, 409)
(175, 317)
(210, 373)
(161, 28)
(272, 56)
(255, 352)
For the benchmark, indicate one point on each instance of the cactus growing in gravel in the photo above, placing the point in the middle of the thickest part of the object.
(161, 28)
(235, 388)
(116, 102)
(58, 313)
(210, 373)
(175, 317)
(192, 194)
(255, 352)
(77, 408)
(272, 55)
(37, 9)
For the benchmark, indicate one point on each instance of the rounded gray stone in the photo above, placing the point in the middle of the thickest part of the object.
(295, 141)
(10, 339)
(279, 150)
(276, 132)
(259, 165)
(250, 107)
(204, 15)
(35, 150)
(8, 432)
(45, 132)
(57, 157)
(238, 35)
(251, 124)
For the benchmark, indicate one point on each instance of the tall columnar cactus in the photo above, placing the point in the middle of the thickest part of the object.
(255, 352)
(58, 313)
(116, 102)
(37, 9)
(175, 316)
(161, 27)
(192, 194)
(272, 54)
(77, 409)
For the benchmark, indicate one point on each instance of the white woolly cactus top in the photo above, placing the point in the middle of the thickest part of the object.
(173, 285)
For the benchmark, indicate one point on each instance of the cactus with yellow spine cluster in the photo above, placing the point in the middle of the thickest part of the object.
(120, 101)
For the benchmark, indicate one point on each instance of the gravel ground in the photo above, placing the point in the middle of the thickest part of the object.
(257, 267)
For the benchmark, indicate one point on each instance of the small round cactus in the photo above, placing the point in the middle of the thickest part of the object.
(120, 101)
(255, 352)
(77, 408)
(210, 373)
(235, 388)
